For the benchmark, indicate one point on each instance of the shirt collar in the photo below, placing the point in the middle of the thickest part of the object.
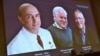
(56, 25)
(27, 33)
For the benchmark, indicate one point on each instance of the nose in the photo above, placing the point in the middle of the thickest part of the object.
(64, 19)
(77, 19)
(33, 19)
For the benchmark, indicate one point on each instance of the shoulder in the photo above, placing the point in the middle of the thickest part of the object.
(17, 38)
(90, 30)
(69, 29)
(75, 32)
(19, 34)
(43, 31)
(75, 29)
(51, 27)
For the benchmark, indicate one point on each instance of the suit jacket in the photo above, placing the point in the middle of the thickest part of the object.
(91, 38)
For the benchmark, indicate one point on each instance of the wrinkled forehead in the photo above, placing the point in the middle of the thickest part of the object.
(63, 12)
(31, 10)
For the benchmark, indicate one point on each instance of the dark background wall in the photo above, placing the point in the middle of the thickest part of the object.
(95, 4)
(12, 24)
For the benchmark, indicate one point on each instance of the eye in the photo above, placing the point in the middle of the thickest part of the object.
(28, 16)
(63, 17)
(37, 15)
(78, 18)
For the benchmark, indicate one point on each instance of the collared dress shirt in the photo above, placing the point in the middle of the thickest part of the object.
(83, 38)
(25, 42)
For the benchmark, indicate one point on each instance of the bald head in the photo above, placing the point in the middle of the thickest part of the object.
(24, 7)
(29, 16)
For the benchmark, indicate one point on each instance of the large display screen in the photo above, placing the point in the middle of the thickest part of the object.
(63, 26)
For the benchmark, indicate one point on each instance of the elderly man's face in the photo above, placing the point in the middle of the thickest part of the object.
(80, 20)
(61, 19)
(31, 19)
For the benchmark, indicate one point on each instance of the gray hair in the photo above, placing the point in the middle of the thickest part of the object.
(57, 9)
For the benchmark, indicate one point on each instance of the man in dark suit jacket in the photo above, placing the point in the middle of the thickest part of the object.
(82, 34)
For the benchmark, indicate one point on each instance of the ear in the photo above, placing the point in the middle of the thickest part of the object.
(20, 19)
(54, 18)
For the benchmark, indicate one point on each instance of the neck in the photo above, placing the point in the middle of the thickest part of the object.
(34, 31)
(56, 25)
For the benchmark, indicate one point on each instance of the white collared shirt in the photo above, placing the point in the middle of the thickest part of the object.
(25, 42)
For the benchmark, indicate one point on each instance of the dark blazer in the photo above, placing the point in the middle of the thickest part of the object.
(91, 38)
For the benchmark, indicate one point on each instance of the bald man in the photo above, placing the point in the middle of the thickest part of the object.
(61, 32)
(83, 35)
(31, 37)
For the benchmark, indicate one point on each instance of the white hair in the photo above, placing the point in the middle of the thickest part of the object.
(57, 9)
